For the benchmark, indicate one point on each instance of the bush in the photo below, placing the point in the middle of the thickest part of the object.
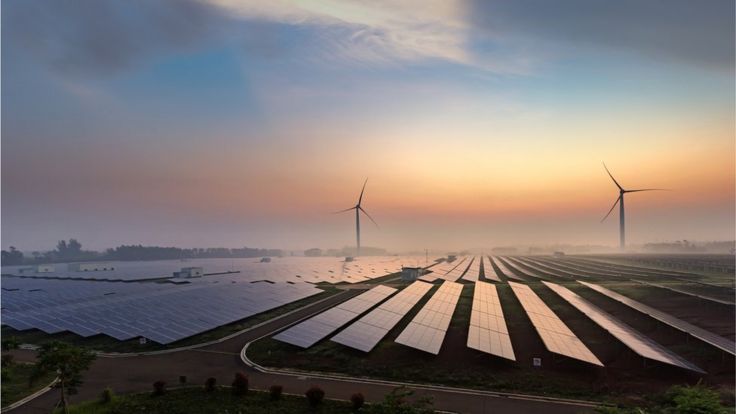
(182, 379)
(159, 388)
(209, 384)
(275, 392)
(315, 395)
(107, 396)
(240, 384)
(692, 400)
(358, 400)
(7, 361)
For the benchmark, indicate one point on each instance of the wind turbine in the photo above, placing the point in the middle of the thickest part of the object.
(358, 208)
(620, 202)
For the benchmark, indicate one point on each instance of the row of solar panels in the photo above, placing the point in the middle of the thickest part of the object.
(162, 313)
(544, 267)
(487, 330)
(308, 269)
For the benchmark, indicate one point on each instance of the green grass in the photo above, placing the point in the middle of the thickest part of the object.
(196, 400)
(108, 344)
(15, 383)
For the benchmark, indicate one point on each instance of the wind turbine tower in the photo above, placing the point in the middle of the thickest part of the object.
(620, 202)
(358, 209)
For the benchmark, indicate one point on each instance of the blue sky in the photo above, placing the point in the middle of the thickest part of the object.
(235, 122)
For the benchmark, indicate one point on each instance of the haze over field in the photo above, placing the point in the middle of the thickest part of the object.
(478, 123)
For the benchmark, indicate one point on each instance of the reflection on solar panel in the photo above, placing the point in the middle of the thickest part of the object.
(488, 271)
(367, 331)
(637, 342)
(456, 273)
(505, 270)
(474, 270)
(700, 333)
(163, 313)
(557, 337)
(685, 292)
(312, 330)
(488, 332)
(427, 330)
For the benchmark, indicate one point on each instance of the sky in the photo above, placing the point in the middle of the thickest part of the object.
(481, 123)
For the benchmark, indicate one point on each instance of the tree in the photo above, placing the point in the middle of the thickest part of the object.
(68, 362)
(12, 257)
(692, 400)
(315, 395)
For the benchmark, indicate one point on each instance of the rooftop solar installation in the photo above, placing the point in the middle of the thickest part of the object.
(557, 337)
(473, 272)
(163, 313)
(488, 271)
(488, 332)
(685, 292)
(630, 337)
(365, 333)
(504, 269)
(427, 330)
(708, 337)
(309, 332)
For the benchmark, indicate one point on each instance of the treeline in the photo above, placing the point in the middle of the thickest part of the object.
(71, 251)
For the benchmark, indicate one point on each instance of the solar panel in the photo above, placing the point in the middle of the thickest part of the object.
(685, 292)
(506, 270)
(312, 330)
(698, 332)
(637, 342)
(488, 332)
(488, 271)
(427, 330)
(441, 271)
(473, 271)
(365, 333)
(557, 337)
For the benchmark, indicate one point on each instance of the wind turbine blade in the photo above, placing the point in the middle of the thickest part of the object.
(611, 175)
(646, 189)
(369, 216)
(612, 207)
(360, 199)
(342, 211)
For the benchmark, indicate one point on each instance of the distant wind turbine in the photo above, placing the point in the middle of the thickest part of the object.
(358, 208)
(620, 202)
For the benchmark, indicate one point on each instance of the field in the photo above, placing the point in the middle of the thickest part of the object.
(626, 377)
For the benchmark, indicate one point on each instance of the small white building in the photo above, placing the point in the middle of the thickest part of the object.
(44, 268)
(189, 272)
(90, 267)
(410, 273)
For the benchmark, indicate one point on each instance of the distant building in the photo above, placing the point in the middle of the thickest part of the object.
(558, 254)
(451, 258)
(410, 273)
(44, 268)
(90, 267)
(349, 258)
(265, 260)
(189, 272)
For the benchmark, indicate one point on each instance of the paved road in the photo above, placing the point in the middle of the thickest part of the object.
(137, 373)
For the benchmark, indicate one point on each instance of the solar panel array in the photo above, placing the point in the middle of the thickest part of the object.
(365, 333)
(488, 271)
(557, 337)
(685, 292)
(696, 331)
(488, 332)
(637, 342)
(440, 271)
(506, 270)
(163, 313)
(427, 330)
(295, 269)
(309, 332)
(473, 272)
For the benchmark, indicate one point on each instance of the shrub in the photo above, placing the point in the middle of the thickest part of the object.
(358, 400)
(107, 396)
(159, 388)
(692, 400)
(7, 360)
(315, 395)
(240, 384)
(209, 384)
(275, 392)
(182, 379)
